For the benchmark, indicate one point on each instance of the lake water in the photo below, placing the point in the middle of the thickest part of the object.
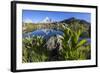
(47, 33)
(88, 40)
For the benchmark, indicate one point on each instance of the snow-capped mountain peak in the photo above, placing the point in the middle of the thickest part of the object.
(46, 20)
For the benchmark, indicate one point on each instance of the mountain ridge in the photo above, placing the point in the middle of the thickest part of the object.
(73, 19)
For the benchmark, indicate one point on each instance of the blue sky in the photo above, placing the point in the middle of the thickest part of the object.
(37, 16)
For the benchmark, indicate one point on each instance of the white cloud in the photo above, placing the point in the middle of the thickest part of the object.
(28, 21)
